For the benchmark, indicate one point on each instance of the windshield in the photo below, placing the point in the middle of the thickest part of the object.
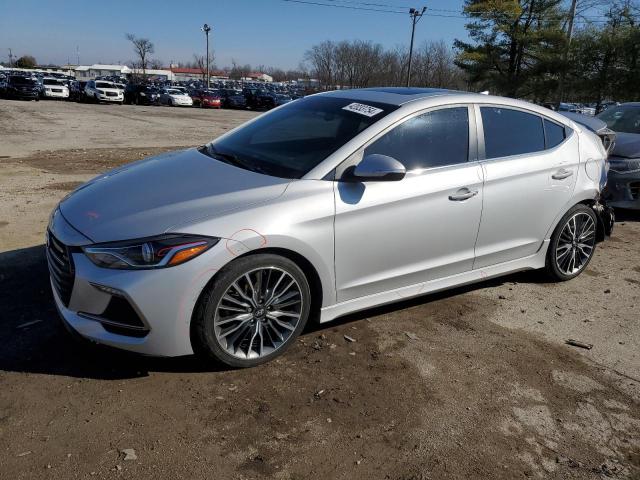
(623, 119)
(174, 92)
(292, 140)
(105, 85)
(22, 81)
(50, 81)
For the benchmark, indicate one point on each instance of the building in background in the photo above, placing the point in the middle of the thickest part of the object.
(89, 72)
(195, 74)
(258, 77)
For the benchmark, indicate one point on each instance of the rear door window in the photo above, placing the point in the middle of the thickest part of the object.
(554, 134)
(511, 132)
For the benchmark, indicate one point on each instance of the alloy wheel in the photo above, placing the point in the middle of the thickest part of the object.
(576, 243)
(258, 313)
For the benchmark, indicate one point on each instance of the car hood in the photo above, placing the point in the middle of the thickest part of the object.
(627, 145)
(147, 198)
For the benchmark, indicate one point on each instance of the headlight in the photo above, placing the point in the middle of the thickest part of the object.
(156, 252)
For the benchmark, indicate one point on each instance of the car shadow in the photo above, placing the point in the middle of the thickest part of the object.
(34, 339)
(625, 215)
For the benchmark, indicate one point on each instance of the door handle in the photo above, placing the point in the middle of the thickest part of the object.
(562, 174)
(463, 194)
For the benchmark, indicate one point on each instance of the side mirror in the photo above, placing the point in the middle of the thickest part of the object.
(376, 168)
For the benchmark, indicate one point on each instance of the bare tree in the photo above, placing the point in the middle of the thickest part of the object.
(357, 64)
(200, 62)
(143, 49)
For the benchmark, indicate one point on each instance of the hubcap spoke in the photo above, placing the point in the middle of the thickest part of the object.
(575, 243)
(258, 313)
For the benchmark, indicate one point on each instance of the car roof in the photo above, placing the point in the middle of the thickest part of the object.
(391, 95)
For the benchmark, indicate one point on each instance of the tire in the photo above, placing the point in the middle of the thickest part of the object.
(259, 335)
(171, 103)
(569, 254)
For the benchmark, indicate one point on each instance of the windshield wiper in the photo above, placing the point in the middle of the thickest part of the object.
(230, 159)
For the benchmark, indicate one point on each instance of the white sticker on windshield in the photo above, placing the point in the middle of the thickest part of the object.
(362, 109)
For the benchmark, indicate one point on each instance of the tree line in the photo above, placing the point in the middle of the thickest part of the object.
(357, 64)
(541, 50)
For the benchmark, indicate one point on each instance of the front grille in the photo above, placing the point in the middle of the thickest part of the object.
(60, 267)
(112, 94)
(634, 188)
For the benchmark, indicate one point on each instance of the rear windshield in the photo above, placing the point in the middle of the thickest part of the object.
(291, 141)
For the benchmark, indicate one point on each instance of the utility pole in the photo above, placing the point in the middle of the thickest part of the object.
(206, 29)
(77, 55)
(415, 15)
(10, 58)
(565, 56)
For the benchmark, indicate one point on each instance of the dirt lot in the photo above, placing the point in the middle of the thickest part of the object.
(472, 383)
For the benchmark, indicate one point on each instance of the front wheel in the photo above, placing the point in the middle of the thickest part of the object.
(253, 311)
(573, 244)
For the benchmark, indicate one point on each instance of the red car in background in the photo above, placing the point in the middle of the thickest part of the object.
(206, 99)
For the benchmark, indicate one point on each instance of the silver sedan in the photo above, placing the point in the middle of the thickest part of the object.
(327, 205)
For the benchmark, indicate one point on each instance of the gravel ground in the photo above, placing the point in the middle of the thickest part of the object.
(472, 383)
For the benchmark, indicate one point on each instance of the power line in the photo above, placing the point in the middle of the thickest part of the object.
(459, 14)
(345, 6)
(367, 6)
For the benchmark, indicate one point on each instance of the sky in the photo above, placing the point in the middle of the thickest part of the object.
(258, 32)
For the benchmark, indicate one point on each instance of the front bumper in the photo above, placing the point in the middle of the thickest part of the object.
(623, 190)
(52, 94)
(211, 103)
(163, 299)
(24, 94)
(107, 98)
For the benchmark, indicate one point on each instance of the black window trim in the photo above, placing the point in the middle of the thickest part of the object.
(568, 131)
(472, 149)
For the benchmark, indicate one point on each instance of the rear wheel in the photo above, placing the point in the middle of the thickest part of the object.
(253, 310)
(573, 244)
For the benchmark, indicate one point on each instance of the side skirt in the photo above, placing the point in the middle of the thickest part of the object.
(532, 262)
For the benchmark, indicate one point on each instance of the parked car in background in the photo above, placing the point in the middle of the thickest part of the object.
(103, 91)
(22, 88)
(182, 89)
(259, 99)
(76, 91)
(139, 94)
(282, 99)
(604, 105)
(331, 204)
(174, 97)
(54, 88)
(597, 126)
(232, 98)
(206, 98)
(623, 187)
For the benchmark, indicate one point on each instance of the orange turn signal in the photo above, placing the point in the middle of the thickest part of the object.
(186, 254)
